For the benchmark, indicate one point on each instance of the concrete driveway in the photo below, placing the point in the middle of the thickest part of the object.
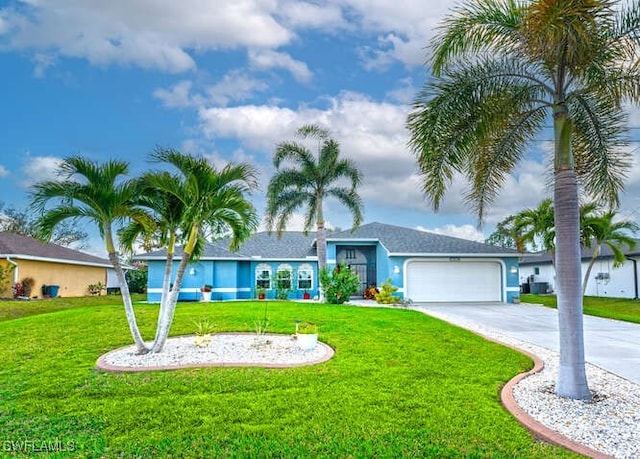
(610, 344)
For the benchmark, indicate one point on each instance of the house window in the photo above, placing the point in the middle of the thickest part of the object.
(305, 277)
(284, 274)
(263, 276)
(350, 254)
(536, 271)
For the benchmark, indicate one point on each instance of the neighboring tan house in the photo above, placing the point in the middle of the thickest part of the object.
(425, 267)
(50, 265)
(538, 275)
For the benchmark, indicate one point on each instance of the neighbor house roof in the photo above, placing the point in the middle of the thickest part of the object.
(399, 240)
(27, 248)
(295, 245)
(542, 258)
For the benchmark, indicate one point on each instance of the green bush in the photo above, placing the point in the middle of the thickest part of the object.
(386, 293)
(137, 278)
(340, 285)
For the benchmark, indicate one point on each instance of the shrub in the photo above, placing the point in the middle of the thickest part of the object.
(137, 278)
(386, 293)
(371, 292)
(27, 286)
(6, 274)
(340, 285)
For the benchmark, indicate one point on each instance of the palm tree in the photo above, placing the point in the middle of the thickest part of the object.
(198, 203)
(99, 193)
(536, 227)
(599, 230)
(501, 70)
(308, 181)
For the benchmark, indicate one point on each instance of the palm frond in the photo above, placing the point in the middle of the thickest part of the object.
(474, 29)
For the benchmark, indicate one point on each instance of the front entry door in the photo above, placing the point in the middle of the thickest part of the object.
(361, 271)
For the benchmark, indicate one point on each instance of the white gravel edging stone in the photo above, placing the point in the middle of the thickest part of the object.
(225, 349)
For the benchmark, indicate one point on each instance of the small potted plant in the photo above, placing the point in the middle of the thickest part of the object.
(206, 292)
(306, 295)
(261, 293)
(306, 335)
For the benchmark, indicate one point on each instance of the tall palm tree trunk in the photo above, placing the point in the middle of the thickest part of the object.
(572, 380)
(141, 348)
(166, 319)
(164, 297)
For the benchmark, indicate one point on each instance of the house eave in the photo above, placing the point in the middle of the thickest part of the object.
(453, 255)
(56, 260)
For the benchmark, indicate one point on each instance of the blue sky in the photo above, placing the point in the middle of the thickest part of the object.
(229, 79)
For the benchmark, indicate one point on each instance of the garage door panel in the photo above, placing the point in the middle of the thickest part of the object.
(454, 281)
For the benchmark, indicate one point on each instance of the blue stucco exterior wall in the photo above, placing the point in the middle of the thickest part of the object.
(230, 279)
(236, 279)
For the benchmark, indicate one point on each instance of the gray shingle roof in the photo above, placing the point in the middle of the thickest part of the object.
(18, 246)
(400, 240)
(292, 245)
(297, 245)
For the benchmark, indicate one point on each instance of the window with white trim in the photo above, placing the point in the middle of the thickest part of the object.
(284, 275)
(305, 277)
(263, 276)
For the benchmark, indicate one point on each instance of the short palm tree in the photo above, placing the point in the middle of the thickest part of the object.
(601, 229)
(308, 181)
(501, 70)
(197, 203)
(536, 227)
(101, 194)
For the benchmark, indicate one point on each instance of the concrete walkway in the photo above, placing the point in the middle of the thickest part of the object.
(610, 344)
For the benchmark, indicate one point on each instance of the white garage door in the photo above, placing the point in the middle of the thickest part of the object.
(453, 281)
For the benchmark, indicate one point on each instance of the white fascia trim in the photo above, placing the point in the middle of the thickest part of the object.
(456, 255)
(353, 239)
(57, 260)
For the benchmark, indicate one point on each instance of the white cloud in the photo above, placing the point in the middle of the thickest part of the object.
(146, 33)
(468, 232)
(235, 86)
(3, 171)
(40, 168)
(178, 96)
(169, 35)
(42, 63)
(267, 60)
(298, 15)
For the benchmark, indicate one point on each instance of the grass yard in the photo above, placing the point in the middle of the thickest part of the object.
(400, 385)
(613, 308)
(15, 309)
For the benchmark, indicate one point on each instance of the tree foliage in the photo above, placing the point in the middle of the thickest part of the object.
(23, 222)
(303, 181)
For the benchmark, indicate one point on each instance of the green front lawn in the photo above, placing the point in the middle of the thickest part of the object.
(15, 309)
(401, 384)
(611, 308)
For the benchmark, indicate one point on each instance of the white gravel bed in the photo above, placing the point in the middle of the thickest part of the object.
(610, 423)
(224, 349)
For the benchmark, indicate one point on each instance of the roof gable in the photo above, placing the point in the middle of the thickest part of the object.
(19, 246)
